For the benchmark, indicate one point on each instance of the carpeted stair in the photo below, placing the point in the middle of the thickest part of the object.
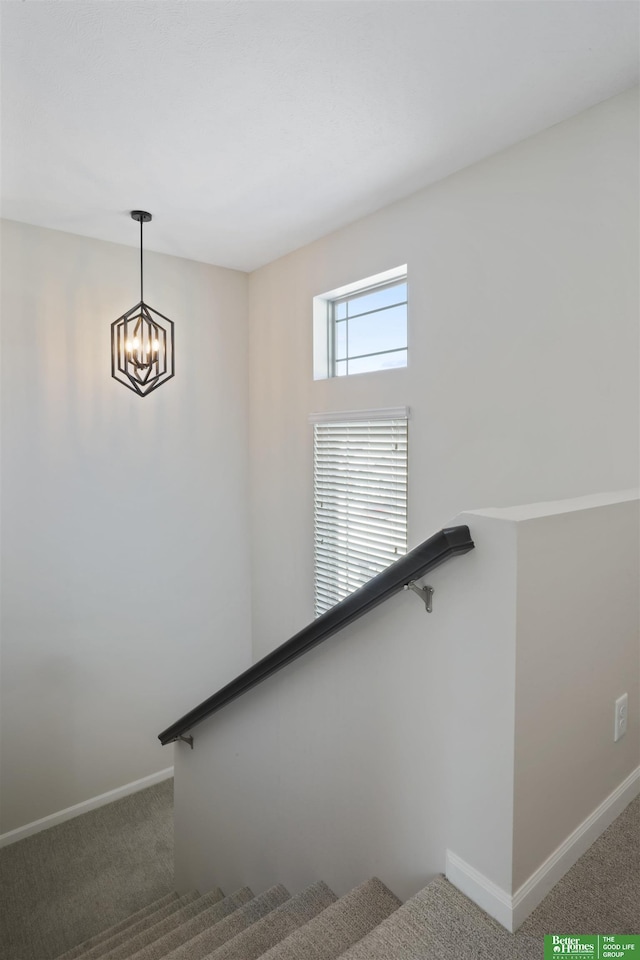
(151, 908)
(205, 920)
(114, 936)
(52, 897)
(123, 944)
(185, 924)
(368, 923)
(441, 922)
(206, 942)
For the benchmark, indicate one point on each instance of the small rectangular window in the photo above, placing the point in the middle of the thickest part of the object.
(362, 328)
(360, 503)
(369, 330)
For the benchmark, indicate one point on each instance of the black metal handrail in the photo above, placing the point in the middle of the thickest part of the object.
(440, 547)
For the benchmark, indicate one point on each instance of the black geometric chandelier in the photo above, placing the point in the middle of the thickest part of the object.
(142, 348)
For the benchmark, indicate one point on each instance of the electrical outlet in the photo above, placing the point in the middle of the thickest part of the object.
(622, 709)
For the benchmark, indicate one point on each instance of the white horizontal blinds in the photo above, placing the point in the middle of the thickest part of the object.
(360, 496)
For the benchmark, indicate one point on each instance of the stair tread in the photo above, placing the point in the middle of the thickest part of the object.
(121, 925)
(368, 923)
(276, 925)
(142, 939)
(209, 940)
(439, 921)
(338, 926)
(190, 928)
(110, 942)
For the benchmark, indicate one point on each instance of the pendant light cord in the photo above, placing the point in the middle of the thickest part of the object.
(141, 287)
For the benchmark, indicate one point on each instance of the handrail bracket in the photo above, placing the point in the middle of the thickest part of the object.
(188, 740)
(425, 593)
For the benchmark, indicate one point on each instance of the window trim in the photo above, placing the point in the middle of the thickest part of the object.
(353, 416)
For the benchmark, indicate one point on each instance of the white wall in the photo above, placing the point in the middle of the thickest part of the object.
(484, 728)
(545, 638)
(543, 665)
(578, 650)
(335, 768)
(523, 345)
(124, 520)
(477, 616)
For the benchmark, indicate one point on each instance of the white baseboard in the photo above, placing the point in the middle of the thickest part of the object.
(79, 808)
(489, 896)
(534, 890)
(512, 910)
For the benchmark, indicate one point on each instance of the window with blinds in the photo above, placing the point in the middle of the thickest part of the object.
(360, 503)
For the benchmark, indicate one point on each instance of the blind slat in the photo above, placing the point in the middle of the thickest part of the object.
(360, 487)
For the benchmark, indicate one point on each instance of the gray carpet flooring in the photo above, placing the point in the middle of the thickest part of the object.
(68, 883)
(601, 893)
(72, 881)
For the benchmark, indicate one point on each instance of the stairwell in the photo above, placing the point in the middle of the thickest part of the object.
(368, 922)
(227, 842)
(601, 893)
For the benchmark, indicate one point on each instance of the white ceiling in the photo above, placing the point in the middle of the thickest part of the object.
(251, 128)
